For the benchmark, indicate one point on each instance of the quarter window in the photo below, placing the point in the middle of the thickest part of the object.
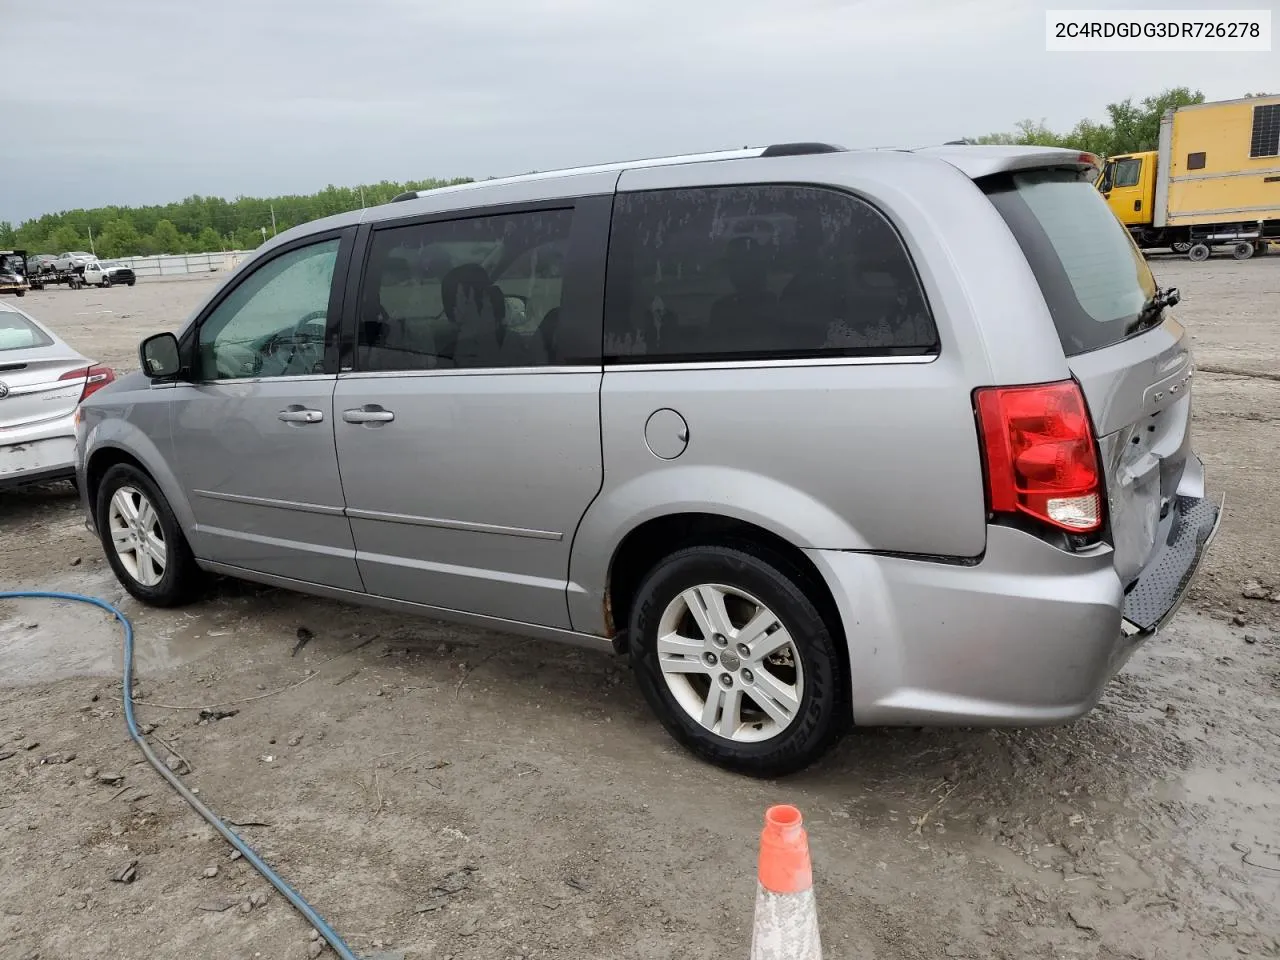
(478, 292)
(758, 272)
(273, 324)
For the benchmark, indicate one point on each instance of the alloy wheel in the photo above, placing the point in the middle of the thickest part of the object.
(730, 663)
(136, 535)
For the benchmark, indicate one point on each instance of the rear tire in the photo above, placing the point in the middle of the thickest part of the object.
(1199, 252)
(1182, 246)
(1242, 250)
(765, 694)
(142, 540)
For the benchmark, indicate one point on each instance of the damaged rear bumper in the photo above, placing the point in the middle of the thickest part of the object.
(1184, 538)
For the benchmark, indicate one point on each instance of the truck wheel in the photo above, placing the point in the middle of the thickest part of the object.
(1242, 250)
(1182, 246)
(106, 282)
(21, 293)
(1198, 252)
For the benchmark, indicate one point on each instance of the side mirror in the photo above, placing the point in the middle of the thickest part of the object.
(160, 356)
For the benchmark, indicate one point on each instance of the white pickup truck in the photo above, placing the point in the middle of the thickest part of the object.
(105, 273)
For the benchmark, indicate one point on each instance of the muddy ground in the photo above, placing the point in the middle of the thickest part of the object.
(442, 792)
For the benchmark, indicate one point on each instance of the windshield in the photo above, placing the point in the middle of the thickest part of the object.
(19, 333)
(1095, 280)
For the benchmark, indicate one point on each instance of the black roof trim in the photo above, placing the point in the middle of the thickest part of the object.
(800, 149)
(407, 195)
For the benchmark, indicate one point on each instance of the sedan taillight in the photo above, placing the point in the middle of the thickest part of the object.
(95, 378)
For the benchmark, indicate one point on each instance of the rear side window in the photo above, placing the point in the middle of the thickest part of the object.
(19, 333)
(758, 272)
(476, 292)
(1093, 276)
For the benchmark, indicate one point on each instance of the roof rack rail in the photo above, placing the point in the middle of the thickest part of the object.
(800, 149)
(407, 195)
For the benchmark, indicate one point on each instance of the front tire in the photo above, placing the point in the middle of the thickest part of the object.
(106, 282)
(1243, 250)
(1199, 252)
(736, 660)
(142, 540)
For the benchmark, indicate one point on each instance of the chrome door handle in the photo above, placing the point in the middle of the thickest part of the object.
(370, 413)
(297, 414)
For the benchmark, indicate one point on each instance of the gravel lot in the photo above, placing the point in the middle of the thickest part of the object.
(442, 792)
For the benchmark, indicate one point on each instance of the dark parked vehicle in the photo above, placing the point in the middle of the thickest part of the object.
(13, 272)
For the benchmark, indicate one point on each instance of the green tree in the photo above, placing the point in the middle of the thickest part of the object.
(247, 238)
(8, 236)
(65, 239)
(119, 239)
(165, 238)
(207, 242)
(1129, 126)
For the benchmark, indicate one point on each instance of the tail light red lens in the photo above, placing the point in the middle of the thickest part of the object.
(1040, 454)
(95, 378)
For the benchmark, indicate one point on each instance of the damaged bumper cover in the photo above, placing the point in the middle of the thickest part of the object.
(1183, 539)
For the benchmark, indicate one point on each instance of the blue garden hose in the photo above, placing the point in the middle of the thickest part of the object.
(339, 945)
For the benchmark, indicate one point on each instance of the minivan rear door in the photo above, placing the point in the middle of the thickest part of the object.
(1129, 354)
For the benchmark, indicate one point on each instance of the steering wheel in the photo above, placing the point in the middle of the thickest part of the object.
(301, 350)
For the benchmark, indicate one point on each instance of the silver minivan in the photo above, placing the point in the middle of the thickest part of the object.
(814, 436)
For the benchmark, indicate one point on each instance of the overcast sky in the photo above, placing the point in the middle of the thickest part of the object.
(145, 101)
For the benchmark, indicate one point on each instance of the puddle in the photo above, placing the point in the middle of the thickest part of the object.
(72, 639)
(1230, 785)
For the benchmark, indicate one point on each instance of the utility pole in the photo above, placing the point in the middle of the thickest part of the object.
(264, 234)
(91, 250)
(273, 219)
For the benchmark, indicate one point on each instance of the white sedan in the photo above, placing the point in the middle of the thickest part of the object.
(42, 381)
(72, 261)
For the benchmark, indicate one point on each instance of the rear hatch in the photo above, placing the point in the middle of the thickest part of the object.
(41, 379)
(1122, 344)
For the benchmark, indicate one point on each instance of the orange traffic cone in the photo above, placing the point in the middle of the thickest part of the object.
(786, 924)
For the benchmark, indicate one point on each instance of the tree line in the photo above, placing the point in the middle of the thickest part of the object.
(194, 225)
(1129, 127)
(209, 224)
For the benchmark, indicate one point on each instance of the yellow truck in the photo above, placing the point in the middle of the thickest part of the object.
(1214, 181)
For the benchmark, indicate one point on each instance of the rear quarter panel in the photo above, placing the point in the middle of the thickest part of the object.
(874, 456)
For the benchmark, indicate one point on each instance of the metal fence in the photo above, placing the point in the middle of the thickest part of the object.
(174, 265)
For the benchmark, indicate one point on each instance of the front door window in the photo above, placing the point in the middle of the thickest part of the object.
(273, 324)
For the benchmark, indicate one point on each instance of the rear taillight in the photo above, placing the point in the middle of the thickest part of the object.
(95, 378)
(1041, 459)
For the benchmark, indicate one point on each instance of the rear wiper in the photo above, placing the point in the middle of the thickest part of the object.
(1150, 313)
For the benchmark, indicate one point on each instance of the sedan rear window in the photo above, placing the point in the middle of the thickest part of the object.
(1094, 278)
(19, 333)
